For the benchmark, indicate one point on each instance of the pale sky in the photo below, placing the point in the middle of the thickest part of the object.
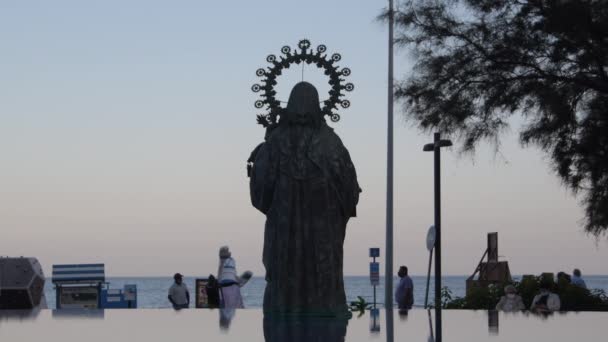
(125, 127)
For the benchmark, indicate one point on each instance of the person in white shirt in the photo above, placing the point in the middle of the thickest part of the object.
(178, 293)
(511, 301)
(576, 279)
(546, 301)
(229, 282)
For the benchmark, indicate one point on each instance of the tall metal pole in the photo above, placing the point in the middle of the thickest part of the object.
(436, 148)
(428, 280)
(388, 282)
(437, 152)
(390, 326)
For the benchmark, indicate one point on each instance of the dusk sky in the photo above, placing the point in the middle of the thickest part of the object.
(125, 127)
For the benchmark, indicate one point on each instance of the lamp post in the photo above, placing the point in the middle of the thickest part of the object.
(435, 147)
(388, 280)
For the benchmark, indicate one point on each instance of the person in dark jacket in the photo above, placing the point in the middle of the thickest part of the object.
(404, 294)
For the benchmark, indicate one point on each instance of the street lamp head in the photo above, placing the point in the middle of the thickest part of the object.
(440, 143)
(429, 147)
(445, 143)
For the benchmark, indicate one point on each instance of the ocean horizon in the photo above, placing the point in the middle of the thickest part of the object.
(152, 291)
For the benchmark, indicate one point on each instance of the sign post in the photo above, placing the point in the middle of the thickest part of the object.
(430, 244)
(374, 270)
(374, 277)
(374, 323)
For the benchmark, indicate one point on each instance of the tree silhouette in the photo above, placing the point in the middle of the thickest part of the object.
(478, 62)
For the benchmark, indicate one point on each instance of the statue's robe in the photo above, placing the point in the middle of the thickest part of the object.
(305, 183)
(304, 329)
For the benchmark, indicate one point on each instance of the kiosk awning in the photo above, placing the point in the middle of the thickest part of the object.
(79, 273)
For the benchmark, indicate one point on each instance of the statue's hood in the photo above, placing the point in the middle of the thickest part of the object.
(304, 98)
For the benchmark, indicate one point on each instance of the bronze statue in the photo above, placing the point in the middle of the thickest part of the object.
(305, 183)
(303, 180)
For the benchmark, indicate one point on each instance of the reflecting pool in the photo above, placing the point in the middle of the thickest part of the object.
(250, 325)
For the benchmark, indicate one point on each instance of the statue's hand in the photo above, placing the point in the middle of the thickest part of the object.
(251, 159)
(262, 178)
(249, 169)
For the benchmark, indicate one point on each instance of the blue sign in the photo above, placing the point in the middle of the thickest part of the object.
(374, 273)
(374, 252)
(375, 320)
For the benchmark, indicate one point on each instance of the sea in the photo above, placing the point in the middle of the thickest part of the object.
(152, 291)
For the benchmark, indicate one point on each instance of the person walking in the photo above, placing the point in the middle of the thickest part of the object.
(178, 293)
(577, 280)
(511, 301)
(229, 282)
(404, 294)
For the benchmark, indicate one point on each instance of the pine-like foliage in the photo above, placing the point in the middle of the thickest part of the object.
(478, 62)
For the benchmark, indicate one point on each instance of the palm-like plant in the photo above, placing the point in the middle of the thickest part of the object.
(360, 305)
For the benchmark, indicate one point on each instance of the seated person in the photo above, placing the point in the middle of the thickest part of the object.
(546, 301)
(511, 301)
(577, 280)
(563, 278)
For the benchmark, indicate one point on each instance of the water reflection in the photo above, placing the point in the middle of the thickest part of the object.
(431, 334)
(493, 322)
(390, 328)
(437, 334)
(19, 315)
(403, 318)
(304, 329)
(71, 314)
(226, 316)
(417, 326)
(374, 320)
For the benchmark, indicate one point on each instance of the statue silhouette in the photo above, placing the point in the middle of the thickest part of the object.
(303, 180)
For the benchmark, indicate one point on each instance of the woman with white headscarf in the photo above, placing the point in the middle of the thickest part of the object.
(229, 282)
(511, 301)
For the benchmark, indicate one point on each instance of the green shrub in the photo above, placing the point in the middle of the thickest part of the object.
(360, 305)
(573, 298)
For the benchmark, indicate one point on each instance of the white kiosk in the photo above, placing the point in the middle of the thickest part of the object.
(78, 286)
(84, 286)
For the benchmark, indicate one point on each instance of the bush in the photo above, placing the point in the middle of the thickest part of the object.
(573, 298)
